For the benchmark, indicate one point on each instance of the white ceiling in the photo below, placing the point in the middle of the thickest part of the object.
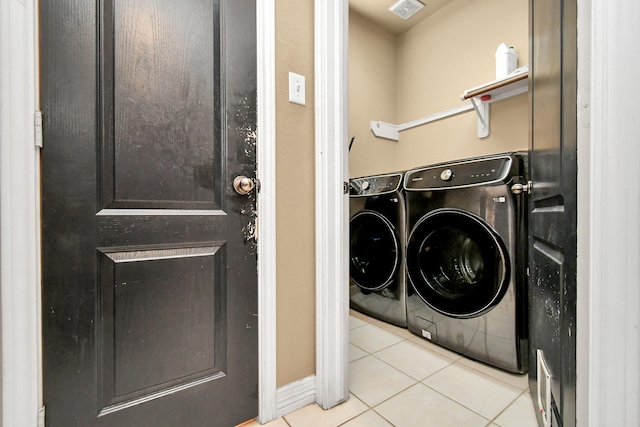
(378, 12)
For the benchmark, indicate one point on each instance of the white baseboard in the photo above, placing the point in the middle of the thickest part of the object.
(296, 395)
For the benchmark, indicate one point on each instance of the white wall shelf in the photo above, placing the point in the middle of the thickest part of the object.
(479, 97)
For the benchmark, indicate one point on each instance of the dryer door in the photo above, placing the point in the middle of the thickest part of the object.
(374, 251)
(456, 263)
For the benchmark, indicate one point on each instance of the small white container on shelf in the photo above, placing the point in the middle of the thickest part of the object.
(506, 61)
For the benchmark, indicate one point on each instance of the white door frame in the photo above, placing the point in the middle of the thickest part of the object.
(332, 201)
(19, 215)
(331, 210)
(266, 173)
(611, 371)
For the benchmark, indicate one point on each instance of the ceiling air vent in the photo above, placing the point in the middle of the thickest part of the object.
(406, 8)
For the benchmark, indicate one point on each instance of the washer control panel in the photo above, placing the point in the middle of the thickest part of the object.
(466, 173)
(379, 184)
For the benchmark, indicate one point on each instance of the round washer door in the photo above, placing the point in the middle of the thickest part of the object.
(374, 251)
(456, 263)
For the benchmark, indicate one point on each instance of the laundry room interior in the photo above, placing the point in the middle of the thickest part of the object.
(398, 77)
(407, 79)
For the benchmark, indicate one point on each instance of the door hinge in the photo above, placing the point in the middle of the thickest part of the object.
(345, 187)
(41, 417)
(38, 123)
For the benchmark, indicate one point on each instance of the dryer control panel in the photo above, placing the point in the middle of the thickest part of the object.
(461, 174)
(378, 184)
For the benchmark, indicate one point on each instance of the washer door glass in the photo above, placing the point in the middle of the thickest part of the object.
(456, 263)
(374, 251)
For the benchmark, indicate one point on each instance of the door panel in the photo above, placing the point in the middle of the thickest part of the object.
(142, 337)
(553, 204)
(149, 267)
(161, 94)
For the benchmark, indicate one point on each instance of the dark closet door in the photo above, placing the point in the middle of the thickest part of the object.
(149, 263)
(553, 207)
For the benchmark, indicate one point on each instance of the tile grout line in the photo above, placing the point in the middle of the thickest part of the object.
(381, 416)
(383, 348)
(456, 402)
(373, 355)
(401, 371)
(472, 410)
(507, 407)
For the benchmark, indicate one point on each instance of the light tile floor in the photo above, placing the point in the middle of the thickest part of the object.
(398, 379)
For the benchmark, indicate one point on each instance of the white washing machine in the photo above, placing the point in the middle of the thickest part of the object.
(465, 258)
(377, 285)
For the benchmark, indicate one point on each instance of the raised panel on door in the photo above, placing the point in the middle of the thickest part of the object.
(160, 98)
(149, 267)
(161, 321)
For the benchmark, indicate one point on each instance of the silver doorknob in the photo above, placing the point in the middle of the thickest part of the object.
(243, 185)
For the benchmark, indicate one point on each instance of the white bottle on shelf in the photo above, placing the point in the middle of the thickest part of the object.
(506, 61)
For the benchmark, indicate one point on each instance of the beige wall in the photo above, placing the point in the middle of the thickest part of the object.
(372, 95)
(397, 80)
(439, 59)
(295, 187)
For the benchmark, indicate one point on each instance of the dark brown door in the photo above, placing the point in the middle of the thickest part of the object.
(553, 207)
(149, 261)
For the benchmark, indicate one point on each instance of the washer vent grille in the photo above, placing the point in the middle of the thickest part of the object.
(406, 8)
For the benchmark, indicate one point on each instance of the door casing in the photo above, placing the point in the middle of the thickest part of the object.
(266, 206)
(332, 201)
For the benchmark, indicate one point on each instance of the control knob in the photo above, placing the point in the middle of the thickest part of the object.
(446, 175)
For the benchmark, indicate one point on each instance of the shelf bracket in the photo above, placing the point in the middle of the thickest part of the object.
(482, 110)
(385, 130)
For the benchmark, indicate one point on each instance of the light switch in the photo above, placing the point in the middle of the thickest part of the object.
(296, 89)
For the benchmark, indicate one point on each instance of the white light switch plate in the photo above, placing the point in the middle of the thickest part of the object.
(296, 89)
